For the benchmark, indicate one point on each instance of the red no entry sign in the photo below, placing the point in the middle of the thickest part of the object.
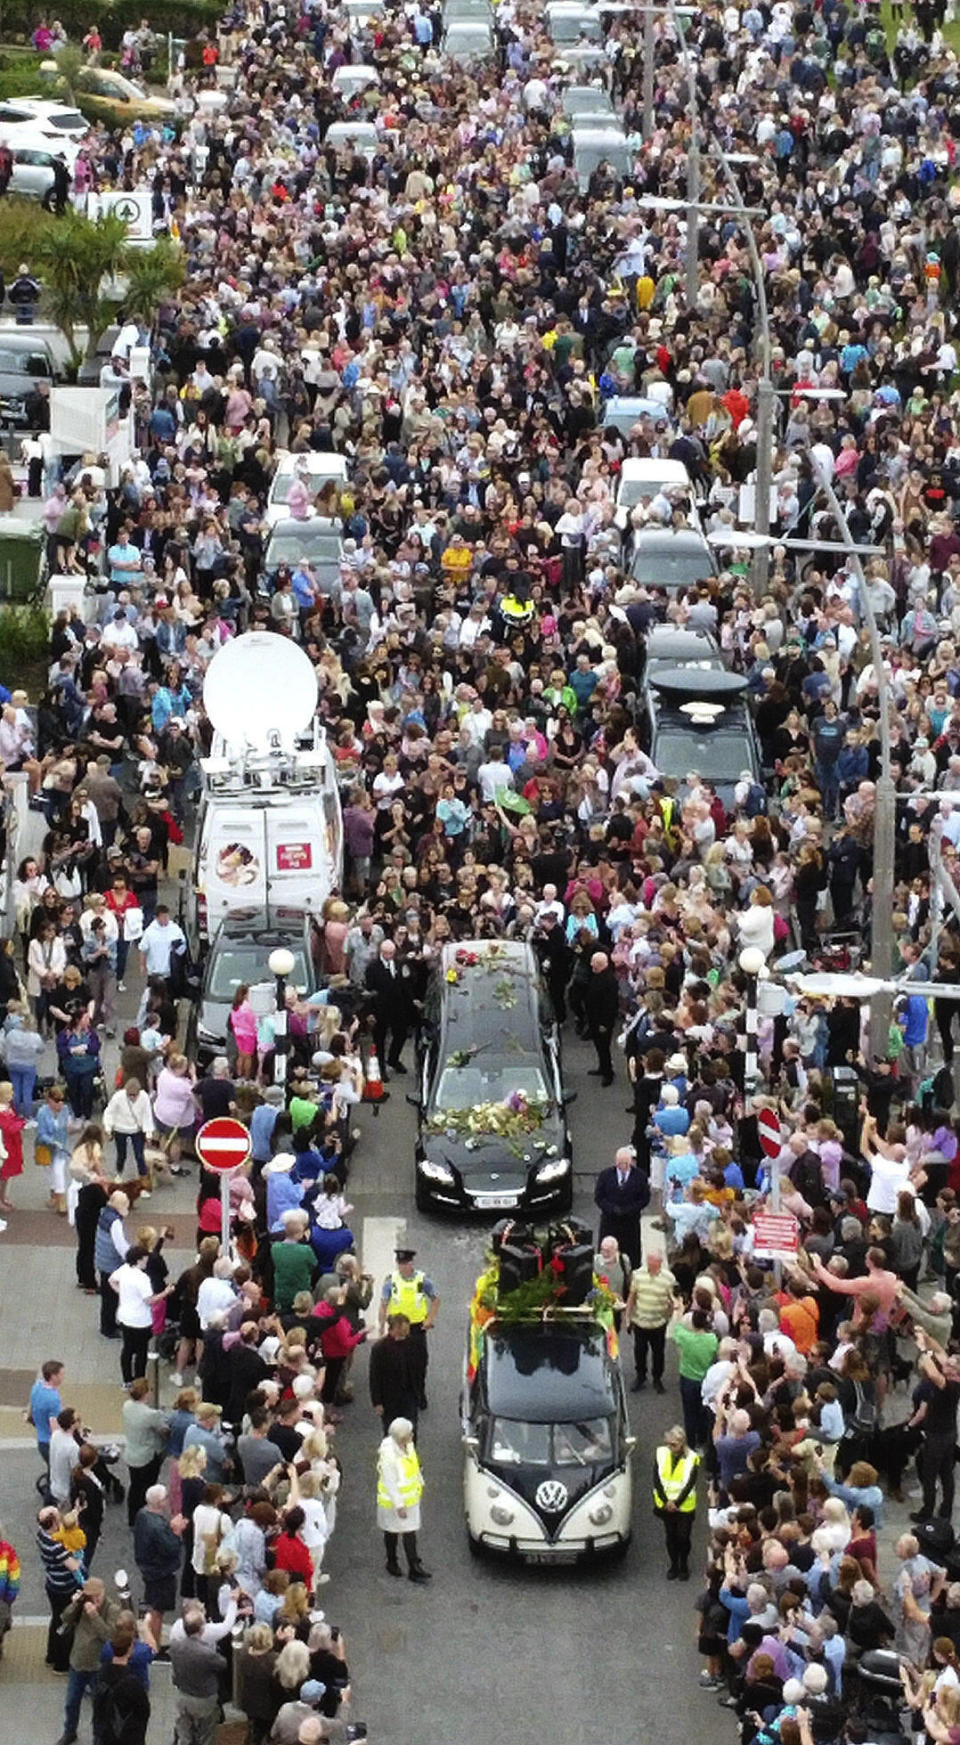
(223, 1144)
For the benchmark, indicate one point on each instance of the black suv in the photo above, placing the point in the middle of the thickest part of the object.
(493, 1131)
(699, 719)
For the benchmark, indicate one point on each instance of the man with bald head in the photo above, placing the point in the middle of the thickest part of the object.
(620, 1195)
(601, 1007)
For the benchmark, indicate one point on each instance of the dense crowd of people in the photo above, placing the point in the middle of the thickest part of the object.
(449, 315)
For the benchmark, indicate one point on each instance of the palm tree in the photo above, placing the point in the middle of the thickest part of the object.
(77, 259)
(152, 275)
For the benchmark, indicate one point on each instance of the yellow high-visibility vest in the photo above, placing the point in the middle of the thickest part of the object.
(408, 1297)
(410, 1481)
(675, 1473)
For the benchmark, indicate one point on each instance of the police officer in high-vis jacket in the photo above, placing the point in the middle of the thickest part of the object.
(409, 1292)
(675, 1469)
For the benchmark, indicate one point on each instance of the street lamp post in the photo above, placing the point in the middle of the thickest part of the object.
(766, 396)
(751, 961)
(885, 804)
(281, 964)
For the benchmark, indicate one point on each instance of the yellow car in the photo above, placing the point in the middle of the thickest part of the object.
(108, 96)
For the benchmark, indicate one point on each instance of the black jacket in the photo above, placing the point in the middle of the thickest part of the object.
(601, 999)
(620, 1200)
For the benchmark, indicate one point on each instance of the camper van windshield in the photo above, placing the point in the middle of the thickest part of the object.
(237, 964)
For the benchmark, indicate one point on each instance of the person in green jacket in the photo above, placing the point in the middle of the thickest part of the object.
(294, 1262)
(697, 1347)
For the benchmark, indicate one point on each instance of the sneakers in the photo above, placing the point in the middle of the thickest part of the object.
(176, 1380)
(121, 987)
(708, 1681)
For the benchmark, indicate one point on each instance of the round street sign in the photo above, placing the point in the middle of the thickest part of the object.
(767, 1123)
(223, 1144)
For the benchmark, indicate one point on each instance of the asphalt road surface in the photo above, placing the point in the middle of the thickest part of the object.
(486, 1649)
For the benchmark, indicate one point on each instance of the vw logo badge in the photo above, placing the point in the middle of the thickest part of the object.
(551, 1496)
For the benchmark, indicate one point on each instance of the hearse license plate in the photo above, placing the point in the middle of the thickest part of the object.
(495, 1202)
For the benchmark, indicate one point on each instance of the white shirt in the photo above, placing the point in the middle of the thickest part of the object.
(215, 1297)
(157, 944)
(315, 1530)
(886, 1180)
(136, 1290)
(64, 1454)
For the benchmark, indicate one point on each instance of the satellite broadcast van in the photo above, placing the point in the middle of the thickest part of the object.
(269, 832)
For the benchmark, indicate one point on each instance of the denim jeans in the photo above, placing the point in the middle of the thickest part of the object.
(23, 1080)
(77, 1683)
(136, 1140)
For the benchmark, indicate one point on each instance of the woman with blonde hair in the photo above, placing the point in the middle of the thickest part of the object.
(254, 1688)
(294, 1610)
(187, 1485)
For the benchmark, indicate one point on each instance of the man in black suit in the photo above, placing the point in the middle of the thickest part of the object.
(621, 1194)
(601, 1004)
(388, 981)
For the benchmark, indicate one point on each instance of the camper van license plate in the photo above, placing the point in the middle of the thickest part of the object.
(495, 1202)
(550, 1556)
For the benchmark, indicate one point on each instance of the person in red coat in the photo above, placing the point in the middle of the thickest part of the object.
(334, 1332)
(11, 1132)
(290, 1553)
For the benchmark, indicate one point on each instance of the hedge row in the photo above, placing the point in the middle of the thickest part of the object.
(20, 17)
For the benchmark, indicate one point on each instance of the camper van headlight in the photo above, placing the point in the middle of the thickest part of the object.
(554, 1169)
(435, 1172)
(500, 1516)
(600, 1514)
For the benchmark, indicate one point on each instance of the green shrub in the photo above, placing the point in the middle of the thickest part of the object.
(182, 17)
(24, 642)
(20, 75)
(22, 223)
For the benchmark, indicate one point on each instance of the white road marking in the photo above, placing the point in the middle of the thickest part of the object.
(379, 1238)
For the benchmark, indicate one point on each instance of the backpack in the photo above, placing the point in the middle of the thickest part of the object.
(863, 1421)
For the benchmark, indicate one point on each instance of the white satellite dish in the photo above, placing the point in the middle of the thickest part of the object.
(260, 691)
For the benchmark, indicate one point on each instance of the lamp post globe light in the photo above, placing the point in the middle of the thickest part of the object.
(281, 964)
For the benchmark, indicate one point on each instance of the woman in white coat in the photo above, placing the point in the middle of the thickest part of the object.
(399, 1489)
(755, 922)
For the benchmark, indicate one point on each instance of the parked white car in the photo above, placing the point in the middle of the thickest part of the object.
(39, 116)
(33, 163)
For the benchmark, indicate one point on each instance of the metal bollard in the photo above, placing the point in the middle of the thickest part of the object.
(153, 1376)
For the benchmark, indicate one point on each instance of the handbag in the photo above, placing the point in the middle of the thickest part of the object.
(42, 1155)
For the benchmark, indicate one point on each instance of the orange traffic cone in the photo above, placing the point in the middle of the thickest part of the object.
(373, 1091)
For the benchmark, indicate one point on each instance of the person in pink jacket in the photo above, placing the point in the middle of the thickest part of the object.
(243, 1023)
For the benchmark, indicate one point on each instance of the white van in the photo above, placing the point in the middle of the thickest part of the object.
(642, 480)
(269, 832)
(282, 848)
